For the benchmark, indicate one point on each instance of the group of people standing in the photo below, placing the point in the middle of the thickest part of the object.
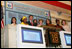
(34, 22)
(31, 22)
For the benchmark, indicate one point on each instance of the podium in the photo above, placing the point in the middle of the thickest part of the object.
(22, 36)
(52, 36)
(9, 36)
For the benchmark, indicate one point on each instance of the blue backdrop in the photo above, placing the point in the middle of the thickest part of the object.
(18, 10)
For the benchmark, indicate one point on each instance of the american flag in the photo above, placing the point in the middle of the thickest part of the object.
(2, 21)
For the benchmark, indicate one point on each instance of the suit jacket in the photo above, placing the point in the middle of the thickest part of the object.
(58, 26)
(29, 23)
(34, 24)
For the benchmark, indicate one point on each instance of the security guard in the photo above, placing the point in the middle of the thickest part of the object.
(24, 20)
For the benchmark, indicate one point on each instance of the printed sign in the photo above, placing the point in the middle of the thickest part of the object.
(9, 5)
(54, 38)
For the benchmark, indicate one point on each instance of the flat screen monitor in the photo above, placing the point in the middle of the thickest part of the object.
(65, 38)
(31, 35)
(68, 39)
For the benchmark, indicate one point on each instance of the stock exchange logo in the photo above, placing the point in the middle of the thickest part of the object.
(47, 13)
(9, 5)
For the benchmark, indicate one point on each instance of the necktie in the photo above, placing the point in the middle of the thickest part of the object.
(31, 23)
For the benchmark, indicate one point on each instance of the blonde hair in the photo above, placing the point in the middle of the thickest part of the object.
(40, 20)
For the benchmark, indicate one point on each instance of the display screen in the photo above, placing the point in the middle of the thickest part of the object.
(31, 35)
(67, 39)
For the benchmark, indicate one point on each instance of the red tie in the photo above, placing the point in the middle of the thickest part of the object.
(31, 23)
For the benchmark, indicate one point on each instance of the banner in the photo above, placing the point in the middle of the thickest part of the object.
(23, 8)
(54, 38)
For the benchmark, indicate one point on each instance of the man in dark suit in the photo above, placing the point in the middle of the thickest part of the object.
(58, 24)
(30, 22)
